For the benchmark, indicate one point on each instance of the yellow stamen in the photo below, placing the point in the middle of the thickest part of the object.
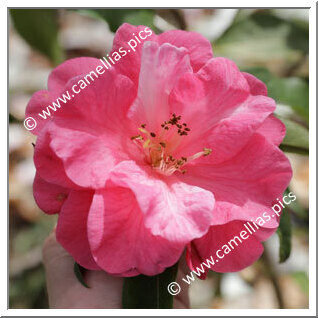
(156, 147)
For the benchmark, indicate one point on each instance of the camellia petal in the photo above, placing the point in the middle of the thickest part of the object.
(199, 47)
(48, 196)
(173, 210)
(71, 230)
(229, 251)
(257, 87)
(273, 130)
(245, 187)
(160, 68)
(115, 217)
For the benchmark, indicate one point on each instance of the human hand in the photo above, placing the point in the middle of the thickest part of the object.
(105, 292)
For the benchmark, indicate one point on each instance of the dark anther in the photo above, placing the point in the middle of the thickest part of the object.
(143, 125)
(187, 129)
(163, 144)
(152, 134)
(33, 144)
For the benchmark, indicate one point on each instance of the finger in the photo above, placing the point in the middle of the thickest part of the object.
(58, 269)
(64, 289)
(107, 289)
(182, 299)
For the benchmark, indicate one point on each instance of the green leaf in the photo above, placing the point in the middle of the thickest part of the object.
(78, 271)
(284, 234)
(149, 292)
(39, 28)
(296, 139)
(265, 40)
(116, 17)
(291, 91)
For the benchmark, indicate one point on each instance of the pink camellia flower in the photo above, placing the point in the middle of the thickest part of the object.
(170, 148)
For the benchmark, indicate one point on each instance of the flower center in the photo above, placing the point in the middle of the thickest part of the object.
(158, 148)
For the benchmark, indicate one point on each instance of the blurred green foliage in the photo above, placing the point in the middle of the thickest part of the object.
(261, 37)
(116, 17)
(296, 139)
(39, 27)
(27, 287)
(291, 91)
(303, 281)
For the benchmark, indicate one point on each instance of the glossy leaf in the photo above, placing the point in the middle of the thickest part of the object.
(284, 233)
(78, 271)
(149, 292)
(39, 28)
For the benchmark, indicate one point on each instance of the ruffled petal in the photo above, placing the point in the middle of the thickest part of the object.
(247, 185)
(273, 130)
(199, 47)
(161, 66)
(230, 249)
(119, 240)
(67, 70)
(38, 102)
(101, 103)
(172, 209)
(218, 107)
(48, 164)
(57, 82)
(257, 87)
(90, 133)
(129, 64)
(81, 151)
(71, 230)
(216, 90)
(48, 196)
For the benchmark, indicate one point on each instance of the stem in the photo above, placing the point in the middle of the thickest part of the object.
(271, 273)
(293, 149)
(218, 280)
(149, 292)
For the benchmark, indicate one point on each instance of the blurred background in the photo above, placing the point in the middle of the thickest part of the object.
(271, 44)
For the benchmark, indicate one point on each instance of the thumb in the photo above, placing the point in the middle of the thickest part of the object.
(65, 291)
